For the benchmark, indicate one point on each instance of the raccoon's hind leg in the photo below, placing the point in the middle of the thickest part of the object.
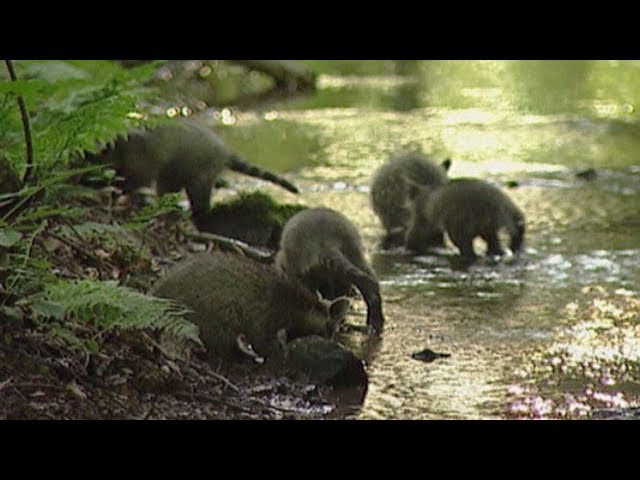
(393, 238)
(420, 239)
(168, 182)
(493, 244)
(199, 193)
(464, 243)
(518, 237)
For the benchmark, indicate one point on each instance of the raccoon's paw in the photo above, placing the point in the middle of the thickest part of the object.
(246, 348)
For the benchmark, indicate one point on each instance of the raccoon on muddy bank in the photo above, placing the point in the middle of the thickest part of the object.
(184, 154)
(241, 306)
(391, 191)
(465, 208)
(323, 249)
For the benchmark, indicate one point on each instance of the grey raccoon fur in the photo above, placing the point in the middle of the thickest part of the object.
(391, 191)
(466, 208)
(184, 154)
(323, 249)
(232, 296)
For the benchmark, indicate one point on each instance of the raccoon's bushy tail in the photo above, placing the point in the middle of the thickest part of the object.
(368, 286)
(517, 237)
(237, 164)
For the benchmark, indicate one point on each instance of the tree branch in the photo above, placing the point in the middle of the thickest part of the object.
(233, 245)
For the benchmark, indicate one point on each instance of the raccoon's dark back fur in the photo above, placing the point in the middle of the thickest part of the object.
(185, 154)
(323, 249)
(310, 234)
(232, 295)
(467, 208)
(391, 188)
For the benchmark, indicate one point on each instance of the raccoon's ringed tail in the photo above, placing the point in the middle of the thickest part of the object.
(237, 164)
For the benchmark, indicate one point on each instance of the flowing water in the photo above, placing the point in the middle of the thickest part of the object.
(554, 333)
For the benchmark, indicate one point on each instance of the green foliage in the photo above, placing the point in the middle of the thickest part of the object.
(108, 306)
(76, 107)
(88, 229)
(166, 204)
(8, 237)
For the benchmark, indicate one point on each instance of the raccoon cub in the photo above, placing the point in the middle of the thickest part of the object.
(465, 208)
(391, 192)
(323, 249)
(185, 154)
(242, 306)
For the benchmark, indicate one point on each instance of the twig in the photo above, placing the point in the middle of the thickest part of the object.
(273, 407)
(174, 358)
(39, 386)
(160, 348)
(224, 380)
(210, 399)
(5, 383)
(149, 412)
(232, 244)
(81, 250)
(25, 125)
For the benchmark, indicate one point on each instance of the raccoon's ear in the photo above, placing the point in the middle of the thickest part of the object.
(339, 308)
(446, 164)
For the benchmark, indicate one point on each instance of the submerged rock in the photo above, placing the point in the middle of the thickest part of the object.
(427, 355)
(588, 174)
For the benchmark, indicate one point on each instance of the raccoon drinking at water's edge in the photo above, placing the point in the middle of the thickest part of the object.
(185, 154)
(323, 249)
(244, 307)
(391, 192)
(465, 208)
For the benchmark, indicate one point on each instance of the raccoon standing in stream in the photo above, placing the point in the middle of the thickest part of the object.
(243, 307)
(184, 154)
(323, 249)
(391, 192)
(466, 208)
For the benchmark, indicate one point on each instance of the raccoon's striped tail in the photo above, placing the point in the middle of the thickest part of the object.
(517, 237)
(237, 164)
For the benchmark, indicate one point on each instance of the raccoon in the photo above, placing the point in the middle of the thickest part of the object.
(323, 249)
(465, 208)
(391, 192)
(185, 154)
(239, 304)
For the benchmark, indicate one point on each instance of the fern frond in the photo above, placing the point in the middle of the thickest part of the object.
(78, 106)
(167, 203)
(92, 228)
(109, 306)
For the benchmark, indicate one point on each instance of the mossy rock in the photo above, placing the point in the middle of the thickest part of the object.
(254, 218)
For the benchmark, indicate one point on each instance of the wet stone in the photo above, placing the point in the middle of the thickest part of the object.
(318, 360)
(428, 355)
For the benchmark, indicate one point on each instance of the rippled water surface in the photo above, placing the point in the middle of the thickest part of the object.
(552, 334)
